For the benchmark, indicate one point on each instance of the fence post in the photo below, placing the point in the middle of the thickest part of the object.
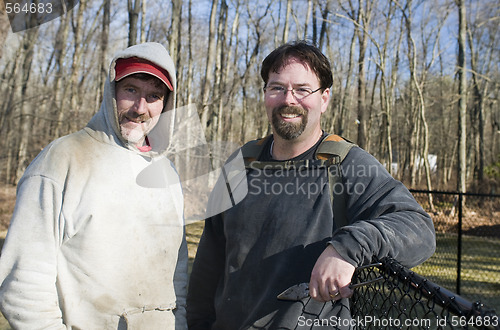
(459, 241)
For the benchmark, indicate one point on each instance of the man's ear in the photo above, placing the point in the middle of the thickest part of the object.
(165, 99)
(325, 99)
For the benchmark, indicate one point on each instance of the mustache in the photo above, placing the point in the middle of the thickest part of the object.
(137, 118)
(293, 110)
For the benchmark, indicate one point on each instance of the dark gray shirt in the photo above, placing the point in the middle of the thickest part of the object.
(272, 239)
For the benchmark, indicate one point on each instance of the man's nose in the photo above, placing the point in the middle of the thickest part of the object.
(290, 97)
(141, 105)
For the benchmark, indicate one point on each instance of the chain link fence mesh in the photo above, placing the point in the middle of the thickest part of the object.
(406, 300)
(467, 258)
(403, 299)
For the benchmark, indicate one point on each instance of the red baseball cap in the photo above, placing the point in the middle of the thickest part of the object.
(126, 66)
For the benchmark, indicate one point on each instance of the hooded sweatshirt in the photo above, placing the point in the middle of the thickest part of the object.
(96, 240)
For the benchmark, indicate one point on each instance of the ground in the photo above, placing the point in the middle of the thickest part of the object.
(481, 220)
(7, 201)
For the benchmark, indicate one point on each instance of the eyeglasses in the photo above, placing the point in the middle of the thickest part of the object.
(298, 93)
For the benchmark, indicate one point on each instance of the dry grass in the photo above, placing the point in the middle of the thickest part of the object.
(7, 202)
(480, 220)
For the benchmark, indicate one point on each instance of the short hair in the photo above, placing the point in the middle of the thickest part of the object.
(303, 51)
(156, 81)
(148, 77)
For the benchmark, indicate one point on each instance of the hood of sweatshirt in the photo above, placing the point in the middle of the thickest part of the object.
(104, 126)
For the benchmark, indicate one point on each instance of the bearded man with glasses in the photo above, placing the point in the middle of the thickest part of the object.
(284, 231)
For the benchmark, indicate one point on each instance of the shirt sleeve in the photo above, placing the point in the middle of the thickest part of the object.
(207, 271)
(384, 218)
(180, 286)
(28, 267)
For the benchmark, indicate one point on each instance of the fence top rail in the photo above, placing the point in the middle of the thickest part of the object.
(451, 301)
(419, 191)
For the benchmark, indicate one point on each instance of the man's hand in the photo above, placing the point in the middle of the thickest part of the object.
(331, 277)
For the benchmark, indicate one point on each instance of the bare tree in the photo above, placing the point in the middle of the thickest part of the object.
(59, 53)
(206, 111)
(8, 126)
(389, 71)
(308, 18)
(134, 9)
(27, 110)
(340, 127)
(71, 89)
(324, 20)
(286, 26)
(362, 20)
(142, 35)
(174, 38)
(219, 90)
(462, 94)
(189, 78)
(482, 60)
(103, 47)
(387, 86)
(4, 26)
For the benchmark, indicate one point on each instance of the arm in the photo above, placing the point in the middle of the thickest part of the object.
(331, 275)
(180, 286)
(208, 270)
(385, 220)
(28, 267)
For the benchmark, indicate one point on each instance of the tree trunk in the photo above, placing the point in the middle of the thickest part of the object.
(73, 78)
(346, 95)
(220, 80)
(208, 80)
(4, 26)
(58, 88)
(462, 98)
(232, 68)
(189, 78)
(27, 109)
(134, 8)
(387, 94)
(286, 26)
(103, 47)
(414, 117)
(322, 33)
(143, 22)
(478, 111)
(362, 120)
(308, 17)
(174, 40)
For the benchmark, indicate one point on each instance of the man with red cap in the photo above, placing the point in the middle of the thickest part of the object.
(90, 244)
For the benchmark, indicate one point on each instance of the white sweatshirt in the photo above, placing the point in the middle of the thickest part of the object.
(90, 244)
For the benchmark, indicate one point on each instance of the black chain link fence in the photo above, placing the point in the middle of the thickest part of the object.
(457, 288)
(467, 258)
(393, 297)
(406, 300)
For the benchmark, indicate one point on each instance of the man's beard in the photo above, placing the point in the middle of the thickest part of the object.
(137, 134)
(287, 130)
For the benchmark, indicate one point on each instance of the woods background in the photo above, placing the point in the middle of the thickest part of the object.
(416, 83)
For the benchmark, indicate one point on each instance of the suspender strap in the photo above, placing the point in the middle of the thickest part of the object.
(252, 150)
(330, 153)
(336, 148)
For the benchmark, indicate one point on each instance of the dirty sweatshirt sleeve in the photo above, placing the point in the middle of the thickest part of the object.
(207, 272)
(384, 218)
(28, 295)
(180, 286)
